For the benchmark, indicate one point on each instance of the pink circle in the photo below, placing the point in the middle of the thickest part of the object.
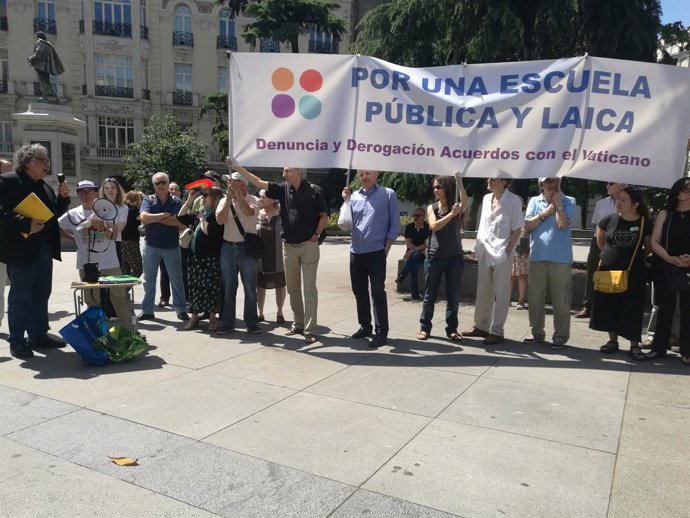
(311, 80)
(282, 106)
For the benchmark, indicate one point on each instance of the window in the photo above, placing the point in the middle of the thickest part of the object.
(3, 15)
(45, 17)
(321, 41)
(226, 31)
(113, 18)
(183, 84)
(142, 20)
(268, 45)
(6, 136)
(115, 132)
(183, 19)
(145, 92)
(222, 79)
(114, 76)
(4, 71)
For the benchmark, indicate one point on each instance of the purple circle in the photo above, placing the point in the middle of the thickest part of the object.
(282, 106)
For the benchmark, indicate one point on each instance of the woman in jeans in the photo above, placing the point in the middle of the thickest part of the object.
(444, 255)
(671, 245)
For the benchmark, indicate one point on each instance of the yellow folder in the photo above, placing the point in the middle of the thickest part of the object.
(32, 207)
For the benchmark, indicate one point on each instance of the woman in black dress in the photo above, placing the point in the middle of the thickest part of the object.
(671, 245)
(271, 269)
(624, 239)
(131, 251)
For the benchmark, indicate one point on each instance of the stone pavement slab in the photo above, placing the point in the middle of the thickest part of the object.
(330, 437)
(366, 504)
(472, 471)
(19, 409)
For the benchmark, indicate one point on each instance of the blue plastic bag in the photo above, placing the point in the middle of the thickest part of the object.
(83, 330)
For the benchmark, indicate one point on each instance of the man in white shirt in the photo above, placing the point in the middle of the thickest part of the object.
(233, 256)
(499, 229)
(604, 207)
(95, 242)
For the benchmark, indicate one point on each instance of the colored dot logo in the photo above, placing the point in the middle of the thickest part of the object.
(283, 105)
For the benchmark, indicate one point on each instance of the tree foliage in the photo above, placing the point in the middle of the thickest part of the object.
(165, 146)
(285, 20)
(424, 33)
(216, 105)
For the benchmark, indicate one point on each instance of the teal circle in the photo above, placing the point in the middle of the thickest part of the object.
(309, 107)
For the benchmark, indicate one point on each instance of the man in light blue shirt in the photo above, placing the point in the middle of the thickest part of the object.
(547, 220)
(375, 226)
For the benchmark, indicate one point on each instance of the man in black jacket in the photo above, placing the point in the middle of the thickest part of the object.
(28, 247)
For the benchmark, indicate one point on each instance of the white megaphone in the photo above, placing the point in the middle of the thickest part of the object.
(105, 209)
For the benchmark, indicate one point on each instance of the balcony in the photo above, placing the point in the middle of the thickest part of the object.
(46, 25)
(323, 47)
(111, 152)
(144, 32)
(146, 94)
(6, 148)
(121, 30)
(183, 39)
(226, 42)
(3, 23)
(182, 98)
(114, 91)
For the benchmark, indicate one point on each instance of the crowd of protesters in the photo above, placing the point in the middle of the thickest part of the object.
(209, 239)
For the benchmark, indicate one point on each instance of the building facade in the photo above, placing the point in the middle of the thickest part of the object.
(126, 60)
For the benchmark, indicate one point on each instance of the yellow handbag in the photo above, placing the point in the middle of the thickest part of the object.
(616, 281)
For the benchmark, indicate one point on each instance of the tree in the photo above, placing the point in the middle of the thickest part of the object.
(217, 104)
(165, 146)
(424, 33)
(285, 20)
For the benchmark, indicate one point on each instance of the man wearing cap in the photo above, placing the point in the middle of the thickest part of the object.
(238, 206)
(499, 229)
(28, 247)
(161, 242)
(303, 216)
(547, 220)
(604, 207)
(96, 244)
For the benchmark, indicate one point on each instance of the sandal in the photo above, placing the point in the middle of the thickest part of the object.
(261, 318)
(609, 347)
(294, 331)
(454, 335)
(309, 339)
(636, 354)
(422, 335)
(520, 307)
(280, 319)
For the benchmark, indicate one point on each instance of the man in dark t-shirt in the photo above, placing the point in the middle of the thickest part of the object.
(416, 234)
(303, 216)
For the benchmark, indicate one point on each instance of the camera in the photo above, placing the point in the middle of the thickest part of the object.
(61, 177)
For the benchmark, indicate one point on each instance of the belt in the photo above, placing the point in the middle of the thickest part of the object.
(233, 243)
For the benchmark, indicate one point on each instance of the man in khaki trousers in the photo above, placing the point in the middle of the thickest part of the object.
(303, 216)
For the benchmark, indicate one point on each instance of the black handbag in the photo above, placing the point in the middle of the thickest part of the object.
(253, 244)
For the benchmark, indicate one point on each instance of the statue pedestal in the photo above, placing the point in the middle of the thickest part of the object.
(55, 127)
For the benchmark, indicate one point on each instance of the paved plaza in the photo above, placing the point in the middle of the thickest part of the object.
(264, 426)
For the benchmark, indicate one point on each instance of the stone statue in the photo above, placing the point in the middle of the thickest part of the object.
(46, 62)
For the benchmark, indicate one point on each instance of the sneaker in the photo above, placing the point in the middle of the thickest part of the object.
(255, 330)
(21, 351)
(362, 332)
(225, 330)
(47, 342)
(557, 344)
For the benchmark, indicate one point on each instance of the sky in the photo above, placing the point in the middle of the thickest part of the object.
(675, 10)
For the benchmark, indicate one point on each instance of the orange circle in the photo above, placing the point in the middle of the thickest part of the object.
(282, 79)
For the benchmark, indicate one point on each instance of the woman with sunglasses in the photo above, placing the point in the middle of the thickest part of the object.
(271, 269)
(444, 255)
(621, 237)
(671, 245)
(203, 264)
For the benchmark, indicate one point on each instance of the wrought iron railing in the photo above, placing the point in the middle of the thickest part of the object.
(114, 91)
(144, 32)
(184, 39)
(182, 98)
(46, 25)
(323, 47)
(4, 88)
(146, 94)
(226, 42)
(122, 30)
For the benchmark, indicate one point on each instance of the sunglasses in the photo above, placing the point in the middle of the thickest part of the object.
(437, 187)
(162, 182)
(113, 180)
(88, 189)
(686, 189)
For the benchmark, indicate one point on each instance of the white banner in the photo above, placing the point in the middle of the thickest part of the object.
(585, 117)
